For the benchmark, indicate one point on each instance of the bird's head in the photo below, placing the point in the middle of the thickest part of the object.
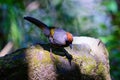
(69, 39)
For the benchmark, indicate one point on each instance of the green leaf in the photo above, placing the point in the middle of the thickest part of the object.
(112, 6)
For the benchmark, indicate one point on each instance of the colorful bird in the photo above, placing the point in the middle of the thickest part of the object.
(57, 36)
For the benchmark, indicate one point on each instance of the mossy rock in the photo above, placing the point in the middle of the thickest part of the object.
(36, 62)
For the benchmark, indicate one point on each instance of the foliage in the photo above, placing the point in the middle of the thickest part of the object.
(112, 41)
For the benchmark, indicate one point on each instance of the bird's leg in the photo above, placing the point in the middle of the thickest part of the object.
(68, 56)
(51, 52)
(51, 55)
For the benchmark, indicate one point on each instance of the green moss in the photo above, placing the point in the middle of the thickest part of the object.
(88, 65)
(89, 68)
(57, 59)
(100, 68)
(35, 61)
(46, 57)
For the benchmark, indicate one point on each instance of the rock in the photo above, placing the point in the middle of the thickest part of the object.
(90, 62)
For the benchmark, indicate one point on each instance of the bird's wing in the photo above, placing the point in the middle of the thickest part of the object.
(59, 37)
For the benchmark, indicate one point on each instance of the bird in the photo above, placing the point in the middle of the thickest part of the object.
(57, 36)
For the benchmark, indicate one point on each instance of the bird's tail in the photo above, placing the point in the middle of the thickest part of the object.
(39, 24)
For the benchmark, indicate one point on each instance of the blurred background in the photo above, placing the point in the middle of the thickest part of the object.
(93, 18)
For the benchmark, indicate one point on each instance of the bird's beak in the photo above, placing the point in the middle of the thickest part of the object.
(70, 46)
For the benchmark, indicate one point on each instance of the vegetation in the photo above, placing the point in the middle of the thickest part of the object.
(98, 19)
